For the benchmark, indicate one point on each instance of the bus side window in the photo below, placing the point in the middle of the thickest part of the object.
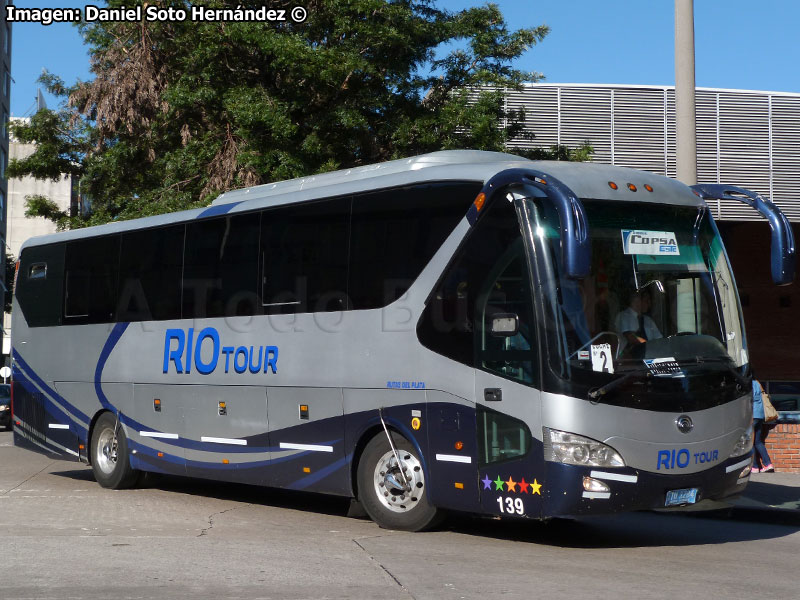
(40, 293)
(151, 262)
(487, 276)
(304, 253)
(220, 270)
(507, 293)
(90, 284)
(501, 437)
(396, 232)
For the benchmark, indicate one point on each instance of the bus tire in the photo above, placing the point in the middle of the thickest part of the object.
(386, 498)
(110, 464)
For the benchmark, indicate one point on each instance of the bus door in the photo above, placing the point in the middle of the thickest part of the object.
(306, 434)
(510, 471)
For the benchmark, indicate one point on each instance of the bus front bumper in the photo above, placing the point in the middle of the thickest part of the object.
(574, 490)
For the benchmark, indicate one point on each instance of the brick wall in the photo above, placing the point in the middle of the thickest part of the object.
(783, 445)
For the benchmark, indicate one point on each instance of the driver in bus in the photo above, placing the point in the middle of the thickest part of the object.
(635, 325)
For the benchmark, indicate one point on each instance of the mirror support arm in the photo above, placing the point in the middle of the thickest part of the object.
(783, 255)
(573, 223)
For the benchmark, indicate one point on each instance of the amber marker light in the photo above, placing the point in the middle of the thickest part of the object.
(459, 486)
(613, 185)
(306, 470)
(459, 445)
(160, 455)
(648, 187)
(631, 187)
(80, 447)
(480, 201)
(225, 461)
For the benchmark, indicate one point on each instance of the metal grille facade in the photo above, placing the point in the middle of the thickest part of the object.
(745, 138)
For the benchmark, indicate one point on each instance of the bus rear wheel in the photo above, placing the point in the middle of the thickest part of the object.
(109, 452)
(393, 493)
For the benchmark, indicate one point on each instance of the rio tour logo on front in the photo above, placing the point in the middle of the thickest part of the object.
(198, 13)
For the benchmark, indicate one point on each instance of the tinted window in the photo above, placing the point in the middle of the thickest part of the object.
(40, 298)
(488, 277)
(90, 281)
(500, 437)
(304, 250)
(151, 261)
(395, 234)
(220, 271)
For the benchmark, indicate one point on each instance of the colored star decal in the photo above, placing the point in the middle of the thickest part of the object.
(512, 485)
(498, 484)
(523, 486)
(535, 487)
(487, 483)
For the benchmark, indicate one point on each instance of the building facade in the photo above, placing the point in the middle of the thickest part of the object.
(18, 227)
(745, 138)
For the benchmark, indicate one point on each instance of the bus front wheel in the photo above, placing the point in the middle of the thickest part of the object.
(391, 486)
(109, 452)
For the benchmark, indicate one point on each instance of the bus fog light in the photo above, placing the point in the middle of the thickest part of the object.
(745, 443)
(594, 485)
(745, 472)
(572, 449)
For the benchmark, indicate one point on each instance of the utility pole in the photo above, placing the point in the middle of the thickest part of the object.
(685, 92)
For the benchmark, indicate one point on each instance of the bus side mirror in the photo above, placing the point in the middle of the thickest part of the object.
(505, 325)
(576, 247)
(783, 254)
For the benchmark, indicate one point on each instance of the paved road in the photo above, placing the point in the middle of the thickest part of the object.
(62, 536)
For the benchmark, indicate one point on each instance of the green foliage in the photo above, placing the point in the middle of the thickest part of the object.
(178, 112)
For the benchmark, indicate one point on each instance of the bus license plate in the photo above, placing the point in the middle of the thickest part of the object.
(678, 497)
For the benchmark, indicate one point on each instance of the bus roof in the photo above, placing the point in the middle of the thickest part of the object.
(587, 180)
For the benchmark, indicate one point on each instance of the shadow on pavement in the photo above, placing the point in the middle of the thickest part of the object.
(234, 492)
(628, 530)
(774, 494)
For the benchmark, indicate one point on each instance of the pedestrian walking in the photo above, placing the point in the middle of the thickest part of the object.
(760, 456)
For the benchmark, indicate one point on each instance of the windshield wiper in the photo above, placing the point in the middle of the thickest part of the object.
(743, 382)
(597, 393)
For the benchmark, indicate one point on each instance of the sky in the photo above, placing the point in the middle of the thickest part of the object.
(739, 44)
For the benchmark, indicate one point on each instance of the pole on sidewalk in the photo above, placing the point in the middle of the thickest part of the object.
(685, 92)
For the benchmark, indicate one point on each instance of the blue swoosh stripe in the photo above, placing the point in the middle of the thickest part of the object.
(26, 370)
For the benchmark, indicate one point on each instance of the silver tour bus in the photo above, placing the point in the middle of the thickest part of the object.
(459, 331)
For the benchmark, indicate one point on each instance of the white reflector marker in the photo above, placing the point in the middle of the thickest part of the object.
(454, 458)
(58, 426)
(739, 465)
(309, 447)
(158, 434)
(216, 440)
(614, 476)
(597, 495)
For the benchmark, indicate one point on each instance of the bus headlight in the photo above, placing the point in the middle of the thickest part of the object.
(745, 443)
(572, 449)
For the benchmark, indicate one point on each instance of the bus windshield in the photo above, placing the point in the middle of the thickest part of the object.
(660, 295)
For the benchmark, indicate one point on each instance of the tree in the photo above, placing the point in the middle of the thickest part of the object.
(180, 111)
(11, 269)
